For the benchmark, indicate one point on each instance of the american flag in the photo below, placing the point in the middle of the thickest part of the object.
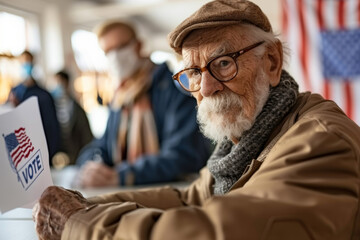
(19, 146)
(324, 40)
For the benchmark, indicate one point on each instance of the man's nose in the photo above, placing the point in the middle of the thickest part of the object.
(209, 85)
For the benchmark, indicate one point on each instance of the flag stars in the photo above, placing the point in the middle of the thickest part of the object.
(341, 53)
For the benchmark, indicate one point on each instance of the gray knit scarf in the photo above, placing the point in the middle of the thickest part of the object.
(228, 161)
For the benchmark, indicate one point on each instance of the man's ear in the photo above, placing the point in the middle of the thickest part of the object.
(274, 61)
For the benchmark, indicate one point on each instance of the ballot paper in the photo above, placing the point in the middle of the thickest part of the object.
(24, 158)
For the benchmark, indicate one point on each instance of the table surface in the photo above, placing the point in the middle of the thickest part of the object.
(17, 224)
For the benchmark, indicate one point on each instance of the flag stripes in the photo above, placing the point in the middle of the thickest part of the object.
(334, 70)
(19, 145)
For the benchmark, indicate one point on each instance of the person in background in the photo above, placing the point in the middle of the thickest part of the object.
(74, 124)
(287, 164)
(151, 135)
(28, 88)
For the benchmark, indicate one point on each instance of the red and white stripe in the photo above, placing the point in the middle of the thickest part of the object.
(302, 22)
(24, 148)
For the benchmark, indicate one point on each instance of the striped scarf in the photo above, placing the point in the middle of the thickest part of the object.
(137, 134)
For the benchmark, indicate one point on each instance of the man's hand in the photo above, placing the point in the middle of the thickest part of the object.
(95, 174)
(54, 208)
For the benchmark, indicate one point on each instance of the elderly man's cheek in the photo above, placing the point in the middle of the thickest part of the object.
(246, 93)
(249, 106)
(232, 113)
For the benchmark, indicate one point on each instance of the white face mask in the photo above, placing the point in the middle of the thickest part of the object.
(123, 63)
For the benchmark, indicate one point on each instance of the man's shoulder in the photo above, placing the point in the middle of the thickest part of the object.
(39, 89)
(312, 105)
(161, 71)
(162, 81)
(323, 113)
(43, 95)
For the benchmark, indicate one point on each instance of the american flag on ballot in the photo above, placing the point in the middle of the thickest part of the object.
(19, 146)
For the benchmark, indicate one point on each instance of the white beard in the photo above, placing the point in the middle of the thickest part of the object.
(212, 118)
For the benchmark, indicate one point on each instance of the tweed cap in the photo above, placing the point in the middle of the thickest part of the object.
(219, 13)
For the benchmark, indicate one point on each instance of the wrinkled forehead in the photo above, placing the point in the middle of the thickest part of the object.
(212, 42)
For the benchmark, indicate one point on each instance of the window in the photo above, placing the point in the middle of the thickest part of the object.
(17, 34)
(93, 84)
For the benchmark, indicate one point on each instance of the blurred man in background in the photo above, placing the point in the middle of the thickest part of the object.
(151, 135)
(28, 88)
(74, 124)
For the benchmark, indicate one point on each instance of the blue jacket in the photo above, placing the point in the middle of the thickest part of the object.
(183, 149)
(47, 111)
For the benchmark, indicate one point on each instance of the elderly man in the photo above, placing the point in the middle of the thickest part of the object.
(286, 165)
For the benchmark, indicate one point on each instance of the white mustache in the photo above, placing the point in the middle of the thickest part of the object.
(213, 112)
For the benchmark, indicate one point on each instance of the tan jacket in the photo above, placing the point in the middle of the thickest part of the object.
(305, 185)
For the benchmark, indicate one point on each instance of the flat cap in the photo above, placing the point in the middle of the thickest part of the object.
(219, 13)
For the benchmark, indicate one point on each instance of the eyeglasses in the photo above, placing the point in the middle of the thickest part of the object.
(223, 68)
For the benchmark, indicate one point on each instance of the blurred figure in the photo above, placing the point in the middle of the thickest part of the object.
(28, 88)
(74, 124)
(152, 134)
